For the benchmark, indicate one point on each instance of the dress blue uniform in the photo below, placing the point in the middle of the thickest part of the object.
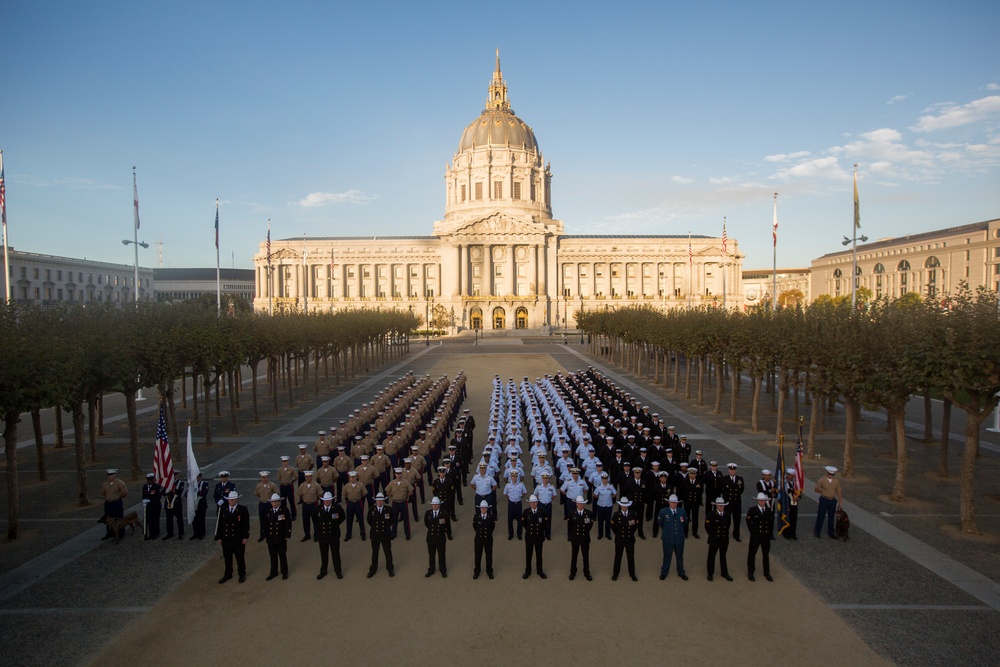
(673, 522)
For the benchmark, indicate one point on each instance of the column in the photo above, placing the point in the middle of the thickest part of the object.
(533, 269)
(488, 265)
(463, 270)
(513, 269)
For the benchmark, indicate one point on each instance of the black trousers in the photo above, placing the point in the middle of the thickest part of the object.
(793, 522)
(385, 544)
(198, 525)
(175, 513)
(437, 550)
(765, 550)
(579, 547)
(721, 551)
(735, 513)
(692, 510)
(235, 550)
(278, 551)
(287, 493)
(628, 548)
(487, 547)
(262, 509)
(326, 549)
(533, 546)
(152, 520)
(309, 512)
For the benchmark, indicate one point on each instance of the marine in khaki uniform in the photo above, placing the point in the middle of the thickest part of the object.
(420, 465)
(321, 446)
(113, 490)
(308, 495)
(381, 464)
(304, 462)
(358, 450)
(326, 475)
(286, 488)
(411, 475)
(343, 465)
(354, 495)
(263, 491)
(366, 475)
(398, 492)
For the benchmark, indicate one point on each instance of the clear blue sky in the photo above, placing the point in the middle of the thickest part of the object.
(338, 118)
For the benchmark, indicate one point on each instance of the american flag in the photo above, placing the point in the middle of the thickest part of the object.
(3, 194)
(163, 466)
(269, 240)
(774, 225)
(135, 199)
(800, 475)
(724, 237)
(690, 252)
(216, 225)
(783, 501)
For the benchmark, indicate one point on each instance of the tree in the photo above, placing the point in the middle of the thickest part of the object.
(440, 320)
(790, 298)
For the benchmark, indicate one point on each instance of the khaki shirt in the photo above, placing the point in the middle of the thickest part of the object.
(308, 492)
(263, 491)
(115, 490)
(380, 462)
(342, 464)
(322, 448)
(398, 490)
(286, 475)
(829, 488)
(326, 476)
(413, 476)
(353, 492)
(366, 474)
(304, 462)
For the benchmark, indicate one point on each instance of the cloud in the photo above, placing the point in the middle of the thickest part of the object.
(955, 115)
(721, 180)
(816, 168)
(316, 199)
(898, 98)
(784, 157)
(681, 179)
(993, 86)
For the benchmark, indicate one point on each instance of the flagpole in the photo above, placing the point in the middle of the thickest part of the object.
(135, 236)
(690, 271)
(774, 274)
(270, 302)
(854, 243)
(3, 216)
(305, 277)
(218, 280)
(723, 262)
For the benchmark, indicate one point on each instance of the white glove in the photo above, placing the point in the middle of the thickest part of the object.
(145, 502)
(219, 503)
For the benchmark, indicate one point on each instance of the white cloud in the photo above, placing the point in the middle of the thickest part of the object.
(993, 86)
(955, 115)
(721, 180)
(815, 168)
(898, 98)
(784, 157)
(315, 199)
(683, 180)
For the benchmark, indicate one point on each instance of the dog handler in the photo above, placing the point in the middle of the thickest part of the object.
(113, 490)
(831, 497)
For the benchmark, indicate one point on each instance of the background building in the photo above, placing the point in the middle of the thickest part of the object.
(190, 284)
(757, 285)
(50, 280)
(931, 263)
(498, 259)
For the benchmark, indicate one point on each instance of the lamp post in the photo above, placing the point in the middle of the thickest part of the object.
(565, 308)
(427, 318)
(578, 321)
(137, 244)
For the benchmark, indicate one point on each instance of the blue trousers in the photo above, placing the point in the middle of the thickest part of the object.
(355, 511)
(514, 516)
(668, 552)
(828, 508)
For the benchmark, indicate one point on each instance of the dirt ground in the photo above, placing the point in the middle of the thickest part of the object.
(516, 621)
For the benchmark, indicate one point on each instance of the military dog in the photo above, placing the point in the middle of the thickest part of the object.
(843, 525)
(117, 526)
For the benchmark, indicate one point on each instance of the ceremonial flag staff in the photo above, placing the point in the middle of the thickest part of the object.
(270, 303)
(774, 275)
(218, 279)
(690, 271)
(724, 239)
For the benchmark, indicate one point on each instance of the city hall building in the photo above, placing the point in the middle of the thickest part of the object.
(498, 259)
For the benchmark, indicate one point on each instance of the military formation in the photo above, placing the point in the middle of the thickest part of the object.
(580, 441)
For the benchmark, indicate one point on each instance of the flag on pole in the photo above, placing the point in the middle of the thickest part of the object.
(782, 502)
(163, 467)
(135, 200)
(774, 225)
(800, 474)
(725, 238)
(216, 224)
(192, 479)
(857, 206)
(3, 194)
(690, 252)
(269, 240)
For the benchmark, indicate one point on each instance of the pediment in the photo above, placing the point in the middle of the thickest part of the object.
(499, 224)
(285, 253)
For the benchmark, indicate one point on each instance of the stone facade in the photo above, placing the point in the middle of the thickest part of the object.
(498, 259)
(49, 280)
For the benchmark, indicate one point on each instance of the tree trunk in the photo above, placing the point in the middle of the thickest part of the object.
(850, 427)
(795, 397)
(814, 417)
(719, 387)
(273, 364)
(100, 414)
(758, 380)
(10, 449)
(967, 499)
(316, 374)
(219, 386)
(899, 484)
(737, 382)
(945, 436)
(782, 393)
(92, 426)
(701, 380)
(133, 433)
(184, 396)
(677, 372)
(60, 441)
(733, 395)
(253, 389)
(168, 394)
(231, 377)
(78, 447)
(36, 426)
(207, 386)
(194, 398)
(687, 377)
(288, 371)
(928, 417)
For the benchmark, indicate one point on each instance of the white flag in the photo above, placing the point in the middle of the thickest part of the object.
(192, 473)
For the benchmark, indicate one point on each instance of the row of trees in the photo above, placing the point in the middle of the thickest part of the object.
(876, 356)
(69, 358)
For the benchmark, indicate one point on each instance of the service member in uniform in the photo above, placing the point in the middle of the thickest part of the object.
(176, 501)
(277, 529)
(304, 462)
(264, 490)
(328, 521)
(581, 522)
(326, 475)
(398, 492)
(354, 493)
(759, 523)
(308, 495)
(515, 491)
(152, 495)
(232, 532)
(717, 528)
(831, 497)
(286, 486)
(673, 522)
(483, 524)
(380, 523)
(791, 488)
(113, 490)
(536, 526)
(438, 525)
(624, 524)
(201, 509)
(222, 489)
(732, 493)
(690, 492)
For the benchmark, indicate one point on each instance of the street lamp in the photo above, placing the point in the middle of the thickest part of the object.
(137, 244)
(578, 321)
(427, 318)
(854, 244)
(565, 308)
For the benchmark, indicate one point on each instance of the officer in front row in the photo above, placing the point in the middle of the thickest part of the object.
(760, 519)
(716, 526)
(277, 527)
(438, 525)
(232, 532)
(624, 525)
(380, 523)
(328, 521)
(483, 524)
(176, 500)
(581, 522)
(536, 526)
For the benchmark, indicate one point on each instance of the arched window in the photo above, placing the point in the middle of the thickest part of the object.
(476, 318)
(837, 275)
(903, 268)
(499, 318)
(879, 270)
(521, 318)
(932, 265)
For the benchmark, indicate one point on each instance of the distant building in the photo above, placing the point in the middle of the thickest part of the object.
(931, 263)
(757, 284)
(49, 280)
(190, 284)
(498, 259)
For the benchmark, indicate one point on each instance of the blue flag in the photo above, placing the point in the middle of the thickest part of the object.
(782, 502)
